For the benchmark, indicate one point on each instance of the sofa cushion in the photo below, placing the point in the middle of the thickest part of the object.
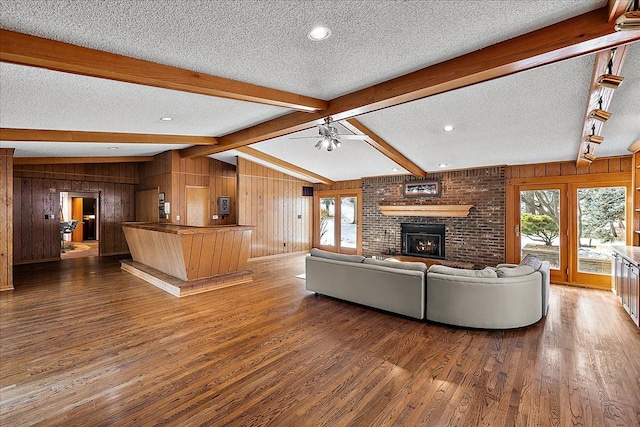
(532, 261)
(417, 266)
(335, 256)
(442, 269)
(521, 270)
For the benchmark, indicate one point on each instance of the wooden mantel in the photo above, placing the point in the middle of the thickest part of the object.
(426, 210)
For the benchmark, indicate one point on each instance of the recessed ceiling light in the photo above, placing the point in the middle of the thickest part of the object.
(443, 165)
(394, 169)
(448, 128)
(319, 33)
(113, 148)
(166, 119)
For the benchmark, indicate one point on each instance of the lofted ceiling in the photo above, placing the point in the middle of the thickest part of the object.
(530, 116)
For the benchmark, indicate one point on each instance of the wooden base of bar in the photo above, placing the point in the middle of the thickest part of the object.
(181, 288)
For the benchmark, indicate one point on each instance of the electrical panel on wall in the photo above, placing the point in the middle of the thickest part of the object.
(224, 205)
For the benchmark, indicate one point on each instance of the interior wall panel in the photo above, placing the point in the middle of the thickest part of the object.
(273, 202)
(36, 206)
(6, 219)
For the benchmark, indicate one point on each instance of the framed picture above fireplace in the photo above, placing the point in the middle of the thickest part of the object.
(422, 188)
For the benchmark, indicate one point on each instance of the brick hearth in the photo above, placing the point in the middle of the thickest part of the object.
(478, 238)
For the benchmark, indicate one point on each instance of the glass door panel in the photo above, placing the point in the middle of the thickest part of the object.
(327, 221)
(348, 222)
(540, 225)
(601, 223)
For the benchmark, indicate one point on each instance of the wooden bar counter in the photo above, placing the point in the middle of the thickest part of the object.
(191, 259)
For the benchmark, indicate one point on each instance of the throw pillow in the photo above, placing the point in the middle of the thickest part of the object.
(521, 270)
(335, 256)
(417, 266)
(442, 269)
(532, 261)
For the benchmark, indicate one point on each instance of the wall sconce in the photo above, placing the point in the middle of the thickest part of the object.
(599, 113)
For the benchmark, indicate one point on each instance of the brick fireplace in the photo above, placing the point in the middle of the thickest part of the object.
(478, 238)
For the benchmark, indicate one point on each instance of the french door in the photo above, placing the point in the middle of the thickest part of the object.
(573, 226)
(338, 214)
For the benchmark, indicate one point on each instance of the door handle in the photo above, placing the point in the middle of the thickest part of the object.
(517, 231)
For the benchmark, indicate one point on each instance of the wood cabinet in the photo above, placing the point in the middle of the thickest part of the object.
(625, 279)
(635, 182)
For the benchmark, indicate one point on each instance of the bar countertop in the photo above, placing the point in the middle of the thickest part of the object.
(632, 253)
(184, 229)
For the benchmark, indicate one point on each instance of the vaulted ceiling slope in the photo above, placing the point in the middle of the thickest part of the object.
(511, 77)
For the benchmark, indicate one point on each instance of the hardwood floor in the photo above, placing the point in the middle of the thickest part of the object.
(84, 343)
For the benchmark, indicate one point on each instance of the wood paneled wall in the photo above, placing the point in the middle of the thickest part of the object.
(36, 192)
(172, 174)
(353, 184)
(273, 203)
(6, 219)
(569, 168)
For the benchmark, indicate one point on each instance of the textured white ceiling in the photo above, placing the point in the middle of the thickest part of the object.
(36, 98)
(264, 42)
(534, 116)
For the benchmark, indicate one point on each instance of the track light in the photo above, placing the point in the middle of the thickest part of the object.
(629, 21)
(588, 157)
(599, 113)
(594, 139)
(610, 80)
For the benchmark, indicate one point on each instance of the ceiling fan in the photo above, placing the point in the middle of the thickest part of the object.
(329, 136)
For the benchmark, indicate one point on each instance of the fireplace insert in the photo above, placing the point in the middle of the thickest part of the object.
(423, 240)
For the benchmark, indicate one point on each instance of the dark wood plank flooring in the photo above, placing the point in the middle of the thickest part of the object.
(84, 343)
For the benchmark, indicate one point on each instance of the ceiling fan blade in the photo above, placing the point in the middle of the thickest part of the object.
(353, 137)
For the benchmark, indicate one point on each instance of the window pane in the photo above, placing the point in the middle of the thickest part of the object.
(601, 223)
(327, 212)
(540, 225)
(348, 222)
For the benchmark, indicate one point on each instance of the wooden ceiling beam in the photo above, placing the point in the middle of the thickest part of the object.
(284, 165)
(581, 35)
(43, 135)
(23, 49)
(72, 160)
(617, 8)
(383, 147)
(600, 67)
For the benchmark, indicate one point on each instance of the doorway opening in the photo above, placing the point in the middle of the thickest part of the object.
(79, 224)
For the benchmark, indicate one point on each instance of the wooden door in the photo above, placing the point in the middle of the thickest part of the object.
(76, 213)
(197, 210)
(338, 215)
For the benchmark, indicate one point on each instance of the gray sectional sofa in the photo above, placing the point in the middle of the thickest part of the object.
(505, 297)
(391, 286)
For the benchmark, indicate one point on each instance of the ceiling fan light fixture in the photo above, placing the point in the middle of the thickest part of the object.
(319, 33)
(629, 21)
(610, 81)
(594, 139)
(600, 115)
